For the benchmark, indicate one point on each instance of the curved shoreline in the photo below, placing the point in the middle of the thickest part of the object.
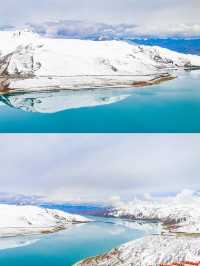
(24, 231)
(9, 84)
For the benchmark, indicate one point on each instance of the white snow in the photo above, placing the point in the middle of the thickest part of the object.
(17, 220)
(183, 212)
(53, 61)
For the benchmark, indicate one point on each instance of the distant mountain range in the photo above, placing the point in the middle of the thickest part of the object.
(81, 208)
(19, 199)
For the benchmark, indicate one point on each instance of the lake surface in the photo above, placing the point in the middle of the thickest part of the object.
(67, 247)
(186, 46)
(173, 106)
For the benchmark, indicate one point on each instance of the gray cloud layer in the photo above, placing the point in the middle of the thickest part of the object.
(151, 16)
(97, 167)
(99, 31)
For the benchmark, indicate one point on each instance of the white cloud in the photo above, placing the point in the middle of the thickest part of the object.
(96, 167)
(183, 197)
(169, 29)
(171, 16)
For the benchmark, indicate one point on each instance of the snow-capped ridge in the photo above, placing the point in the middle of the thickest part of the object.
(24, 220)
(179, 214)
(50, 60)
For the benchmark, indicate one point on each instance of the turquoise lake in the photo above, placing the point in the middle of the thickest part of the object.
(173, 106)
(68, 247)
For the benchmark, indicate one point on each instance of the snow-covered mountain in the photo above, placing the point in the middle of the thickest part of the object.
(177, 214)
(23, 220)
(177, 241)
(28, 61)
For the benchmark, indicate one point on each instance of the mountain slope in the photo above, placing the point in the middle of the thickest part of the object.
(17, 220)
(176, 214)
(31, 62)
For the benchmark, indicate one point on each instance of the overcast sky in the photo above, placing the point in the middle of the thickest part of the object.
(98, 167)
(154, 15)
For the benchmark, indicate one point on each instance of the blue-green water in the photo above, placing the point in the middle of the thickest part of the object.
(67, 247)
(173, 106)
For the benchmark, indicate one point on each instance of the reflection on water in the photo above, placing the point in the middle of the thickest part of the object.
(15, 242)
(173, 106)
(59, 100)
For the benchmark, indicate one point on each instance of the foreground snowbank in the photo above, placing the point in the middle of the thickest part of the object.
(17, 220)
(150, 250)
(28, 61)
